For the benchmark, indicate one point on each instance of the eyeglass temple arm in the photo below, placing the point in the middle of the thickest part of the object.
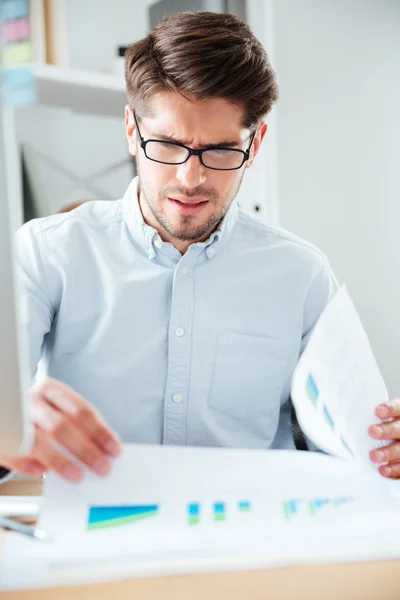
(137, 127)
(251, 143)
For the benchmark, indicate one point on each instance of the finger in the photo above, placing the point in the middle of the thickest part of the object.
(389, 409)
(82, 412)
(65, 432)
(386, 431)
(54, 460)
(25, 466)
(391, 471)
(386, 454)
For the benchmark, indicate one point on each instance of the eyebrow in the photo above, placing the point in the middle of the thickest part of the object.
(169, 138)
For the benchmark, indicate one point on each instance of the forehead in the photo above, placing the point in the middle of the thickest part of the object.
(202, 121)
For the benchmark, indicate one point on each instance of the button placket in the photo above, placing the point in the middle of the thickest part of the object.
(176, 391)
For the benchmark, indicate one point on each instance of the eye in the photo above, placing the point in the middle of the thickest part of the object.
(166, 145)
(218, 152)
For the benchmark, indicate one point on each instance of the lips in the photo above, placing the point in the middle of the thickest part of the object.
(189, 201)
(188, 206)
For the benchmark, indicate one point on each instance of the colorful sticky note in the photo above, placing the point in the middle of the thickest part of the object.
(19, 87)
(13, 9)
(14, 31)
(13, 54)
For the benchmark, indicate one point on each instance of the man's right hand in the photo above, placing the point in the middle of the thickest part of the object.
(61, 415)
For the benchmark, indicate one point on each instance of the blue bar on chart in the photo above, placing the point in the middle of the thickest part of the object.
(290, 508)
(339, 501)
(315, 504)
(193, 513)
(244, 506)
(102, 517)
(312, 389)
(328, 418)
(219, 511)
(345, 444)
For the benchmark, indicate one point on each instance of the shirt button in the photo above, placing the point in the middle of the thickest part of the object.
(183, 270)
(158, 243)
(210, 252)
(180, 332)
(177, 397)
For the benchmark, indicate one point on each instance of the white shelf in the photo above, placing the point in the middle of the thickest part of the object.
(80, 91)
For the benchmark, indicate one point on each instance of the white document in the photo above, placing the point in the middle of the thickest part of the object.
(337, 383)
(168, 509)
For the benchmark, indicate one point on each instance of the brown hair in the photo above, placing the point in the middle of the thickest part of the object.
(205, 55)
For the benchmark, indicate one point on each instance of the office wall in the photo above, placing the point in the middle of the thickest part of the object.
(69, 155)
(338, 148)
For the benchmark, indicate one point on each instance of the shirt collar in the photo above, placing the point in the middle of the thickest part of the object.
(148, 237)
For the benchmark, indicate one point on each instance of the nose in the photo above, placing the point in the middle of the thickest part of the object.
(191, 173)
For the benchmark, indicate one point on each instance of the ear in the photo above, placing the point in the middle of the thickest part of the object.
(261, 131)
(130, 129)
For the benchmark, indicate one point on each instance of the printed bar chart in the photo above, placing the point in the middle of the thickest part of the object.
(101, 517)
(219, 511)
(311, 506)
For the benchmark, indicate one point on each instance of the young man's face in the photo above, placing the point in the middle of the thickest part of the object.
(186, 202)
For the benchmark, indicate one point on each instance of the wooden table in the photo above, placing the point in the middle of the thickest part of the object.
(367, 581)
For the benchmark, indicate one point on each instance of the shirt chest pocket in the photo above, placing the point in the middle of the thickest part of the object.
(249, 374)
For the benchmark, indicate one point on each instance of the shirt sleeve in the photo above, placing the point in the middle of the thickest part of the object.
(38, 283)
(322, 289)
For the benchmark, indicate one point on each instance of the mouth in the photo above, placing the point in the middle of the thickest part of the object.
(188, 205)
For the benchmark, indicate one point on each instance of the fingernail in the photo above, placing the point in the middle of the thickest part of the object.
(73, 473)
(112, 447)
(101, 467)
(57, 396)
(386, 471)
(384, 411)
(376, 430)
(377, 456)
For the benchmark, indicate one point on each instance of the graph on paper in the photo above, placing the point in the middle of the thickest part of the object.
(311, 507)
(219, 511)
(102, 517)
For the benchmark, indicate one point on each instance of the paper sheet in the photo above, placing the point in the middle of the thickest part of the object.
(172, 509)
(337, 383)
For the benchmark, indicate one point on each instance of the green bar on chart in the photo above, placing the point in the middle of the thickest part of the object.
(219, 511)
(193, 513)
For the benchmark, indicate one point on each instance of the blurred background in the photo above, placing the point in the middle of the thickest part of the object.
(330, 167)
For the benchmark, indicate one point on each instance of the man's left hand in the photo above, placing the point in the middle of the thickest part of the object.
(389, 430)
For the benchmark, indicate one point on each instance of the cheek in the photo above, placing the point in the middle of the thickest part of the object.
(226, 183)
(154, 176)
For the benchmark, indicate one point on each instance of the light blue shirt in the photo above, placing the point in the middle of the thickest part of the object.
(194, 349)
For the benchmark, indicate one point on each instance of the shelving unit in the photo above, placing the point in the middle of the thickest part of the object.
(81, 91)
(73, 89)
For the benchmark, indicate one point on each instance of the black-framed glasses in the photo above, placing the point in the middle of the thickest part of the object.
(174, 153)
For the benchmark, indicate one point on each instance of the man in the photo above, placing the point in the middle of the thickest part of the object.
(172, 316)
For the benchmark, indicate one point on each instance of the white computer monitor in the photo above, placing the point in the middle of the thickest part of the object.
(15, 429)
